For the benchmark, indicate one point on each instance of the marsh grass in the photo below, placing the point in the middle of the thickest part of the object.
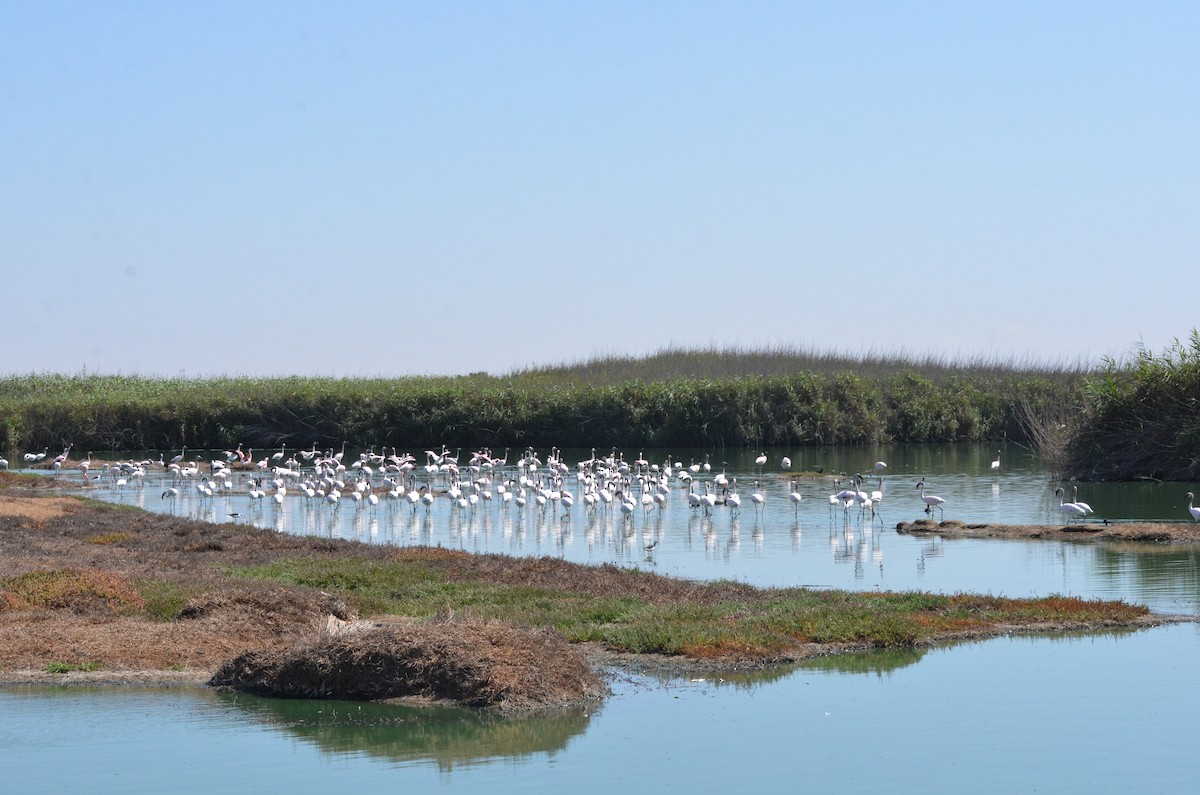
(66, 668)
(718, 363)
(691, 397)
(612, 606)
(1141, 419)
(81, 590)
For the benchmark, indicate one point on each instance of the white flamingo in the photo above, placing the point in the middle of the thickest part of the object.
(1194, 511)
(1075, 493)
(733, 499)
(930, 500)
(1068, 508)
(996, 463)
(759, 499)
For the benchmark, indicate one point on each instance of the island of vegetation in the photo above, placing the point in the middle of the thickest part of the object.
(105, 593)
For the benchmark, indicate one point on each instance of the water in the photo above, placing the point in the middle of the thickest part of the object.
(812, 544)
(1107, 712)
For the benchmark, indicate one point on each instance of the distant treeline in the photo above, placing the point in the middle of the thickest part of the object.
(1122, 421)
(578, 408)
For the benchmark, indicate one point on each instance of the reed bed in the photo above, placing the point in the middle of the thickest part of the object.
(673, 399)
(1141, 419)
(716, 363)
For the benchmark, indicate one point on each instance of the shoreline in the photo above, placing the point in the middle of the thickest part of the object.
(607, 663)
(1144, 532)
(199, 614)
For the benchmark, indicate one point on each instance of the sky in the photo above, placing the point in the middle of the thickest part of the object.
(433, 188)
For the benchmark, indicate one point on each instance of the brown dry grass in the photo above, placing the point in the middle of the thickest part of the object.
(472, 662)
(67, 594)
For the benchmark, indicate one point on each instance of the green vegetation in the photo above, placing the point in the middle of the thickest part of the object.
(701, 398)
(66, 668)
(1141, 419)
(712, 620)
(73, 588)
(1123, 421)
(164, 599)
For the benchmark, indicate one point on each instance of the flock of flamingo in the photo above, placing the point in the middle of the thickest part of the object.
(603, 482)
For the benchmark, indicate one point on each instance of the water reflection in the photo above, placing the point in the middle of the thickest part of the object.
(884, 661)
(447, 736)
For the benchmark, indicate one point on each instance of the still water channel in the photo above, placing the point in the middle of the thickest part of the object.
(1107, 712)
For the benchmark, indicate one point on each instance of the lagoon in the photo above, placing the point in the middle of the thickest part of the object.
(1079, 713)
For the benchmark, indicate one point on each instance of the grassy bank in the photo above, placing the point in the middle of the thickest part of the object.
(675, 399)
(638, 612)
(87, 584)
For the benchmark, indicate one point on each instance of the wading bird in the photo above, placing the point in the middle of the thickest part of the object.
(1068, 508)
(759, 499)
(1195, 512)
(930, 500)
(1075, 493)
(996, 463)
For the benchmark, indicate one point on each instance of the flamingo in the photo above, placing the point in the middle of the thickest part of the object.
(3, 463)
(733, 500)
(1069, 508)
(1086, 508)
(930, 500)
(795, 496)
(33, 458)
(877, 496)
(996, 463)
(1194, 511)
(179, 458)
(759, 500)
(760, 462)
(786, 463)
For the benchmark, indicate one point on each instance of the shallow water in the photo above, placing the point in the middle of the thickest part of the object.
(1109, 712)
(1099, 713)
(812, 544)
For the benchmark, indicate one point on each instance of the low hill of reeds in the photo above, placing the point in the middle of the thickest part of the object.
(675, 398)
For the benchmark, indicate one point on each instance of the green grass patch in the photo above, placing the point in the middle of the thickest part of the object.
(758, 623)
(165, 598)
(66, 668)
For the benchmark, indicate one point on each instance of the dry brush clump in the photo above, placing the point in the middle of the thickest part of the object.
(78, 590)
(472, 662)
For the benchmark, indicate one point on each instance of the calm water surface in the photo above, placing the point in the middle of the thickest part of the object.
(1108, 712)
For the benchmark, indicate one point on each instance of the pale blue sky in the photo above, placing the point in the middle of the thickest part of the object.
(396, 188)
